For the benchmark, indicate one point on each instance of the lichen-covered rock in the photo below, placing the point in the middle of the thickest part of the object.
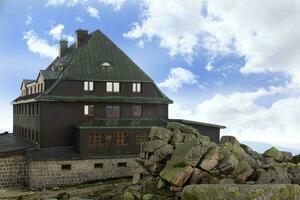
(182, 127)
(241, 192)
(267, 162)
(177, 175)
(232, 145)
(163, 134)
(197, 176)
(161, 184)
(189, 153)
(287, 156)
(152, 145)
(189, 137)
(150, 197)
(211, 158)
(177, 136)
(162, 154)
(274, 153)
(295, 174)
(226, 181)
(296, 159)
(128, 196)
(228, 163)
(277, 175)
(242, 172)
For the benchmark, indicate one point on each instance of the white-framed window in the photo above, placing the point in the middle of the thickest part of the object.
(112, 87)
(89, 110)
(88, 86)
(136, 87)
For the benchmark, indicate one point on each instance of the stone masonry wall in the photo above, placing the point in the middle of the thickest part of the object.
(45, 174)
(13, 171)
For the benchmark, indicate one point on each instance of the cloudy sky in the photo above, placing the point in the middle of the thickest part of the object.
(229, 62)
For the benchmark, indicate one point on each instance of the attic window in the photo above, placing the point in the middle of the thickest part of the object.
(106, 64)
(61, 67)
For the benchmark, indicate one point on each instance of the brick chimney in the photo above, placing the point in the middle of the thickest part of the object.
(63, 46)
(82, 37)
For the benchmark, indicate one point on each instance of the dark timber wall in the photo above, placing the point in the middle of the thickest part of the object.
(58, 119)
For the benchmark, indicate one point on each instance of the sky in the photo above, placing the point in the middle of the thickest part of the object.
(229, 62)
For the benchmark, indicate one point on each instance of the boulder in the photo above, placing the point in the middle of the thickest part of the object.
(287, 156)
(295, 174)
(231, 143)
(149, 197)
(163, 134)
(197, 176)
(296, 159)
(152, 145)
(182, 127)
(241, 192)
(228, 163)
(177, 175)
(153, 132)
(189, 153)
(128, 196)
(212, 158)
(275, 153)
(277, 175)
(267, 162)
(162, 154)
(161, 184)
(189, 137)
(226, 181)
(177, 136)
(242, 172)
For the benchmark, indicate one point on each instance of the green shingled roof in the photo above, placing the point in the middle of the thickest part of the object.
(87, 64)
(49, 75)
(122, 122)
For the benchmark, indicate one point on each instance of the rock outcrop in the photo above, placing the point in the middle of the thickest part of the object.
(178, 155)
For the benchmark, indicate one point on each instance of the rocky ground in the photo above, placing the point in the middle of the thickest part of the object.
(109, 190)
(178, 156)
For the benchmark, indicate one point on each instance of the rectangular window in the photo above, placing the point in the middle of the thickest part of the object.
(140, 138)
(113, 111)
(65, 167)
(98, 165)
(136, 87)
(120, 138)
(112, 87)
(122, 164)
(136, 111)
(96, 140)
(89, 110)
(88, 86)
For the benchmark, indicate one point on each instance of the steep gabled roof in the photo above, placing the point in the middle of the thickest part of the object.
(101, 60)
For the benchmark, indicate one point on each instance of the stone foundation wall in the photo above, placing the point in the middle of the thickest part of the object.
(45, 174)
(13, 171)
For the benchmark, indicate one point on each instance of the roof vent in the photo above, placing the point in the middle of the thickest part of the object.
(81, 37)
(105, 66)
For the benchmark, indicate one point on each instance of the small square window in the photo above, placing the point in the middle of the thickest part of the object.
(65, 167)
(122, 164)
(98, 165)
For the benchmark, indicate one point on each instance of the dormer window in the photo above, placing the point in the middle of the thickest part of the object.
(106, 64)
(88, 86)
(112, 87)
(136, 87)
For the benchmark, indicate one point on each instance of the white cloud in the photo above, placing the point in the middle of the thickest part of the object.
(93, 12)
(177, 77)
(39, 45)
(79, 19)
(246, 119)
(209, 66)
(28, 20)
(117, 4)
(68, 3)
(263, 32)
(57, 33)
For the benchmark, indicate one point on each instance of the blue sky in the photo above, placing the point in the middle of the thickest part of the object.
(232, 63)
